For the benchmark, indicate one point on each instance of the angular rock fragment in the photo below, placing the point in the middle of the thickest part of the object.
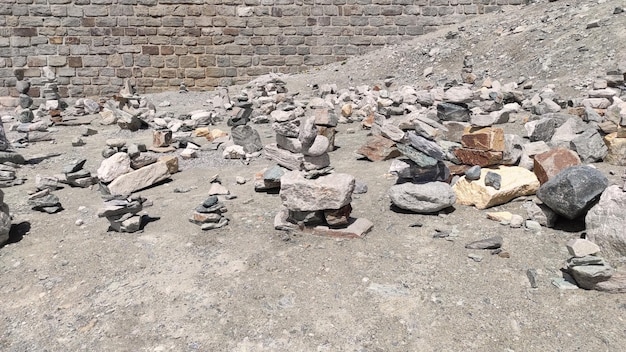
(422, 198)
(606, 223)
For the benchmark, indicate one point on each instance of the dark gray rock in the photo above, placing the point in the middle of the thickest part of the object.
(408, 171)
(247, 137)
(426, 146)
(422, 198)
(74, 166)
(540, 130)
(493, 179)
(453, 112)
(488, 243)
(590, 146)
(242, 118)
(274, 173)
(573, 191)
(416, 156)
(473, 173)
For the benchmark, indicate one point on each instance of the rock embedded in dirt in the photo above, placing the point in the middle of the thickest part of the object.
(573, 191)
(422, 198)
(488, 243)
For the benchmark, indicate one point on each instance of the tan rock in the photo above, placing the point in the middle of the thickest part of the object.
(171, 162)
(516, 182)
(114, 166)
(161, 138)
(139, 179)
(579, 247)
(549, 164)
(357, 228)
(346, 110)
(617, 149)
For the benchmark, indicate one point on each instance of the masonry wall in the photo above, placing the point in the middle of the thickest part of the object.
(93, 45)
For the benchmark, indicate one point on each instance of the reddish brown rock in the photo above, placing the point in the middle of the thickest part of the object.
(487, 139)
(379, 148)
(338, 217)
(368, 122)
(481, 158)
(550, 163)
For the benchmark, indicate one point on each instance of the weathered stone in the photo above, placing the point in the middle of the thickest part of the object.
(486, 139)
(171, 161)
(247, 137)
(565, 133)
(214, 225)
(473, 173)
(49, 200)
(426, 146)
(616, 149)
(516, 182)
(408, 170)
(589, 146)
(573, 191)
(217, 189)
(500, 216)
(357, 228)
(306, 218)
(422, 198)
(478, 157)
(540, 213)
(199, 218)
(319, 146)
(615, 284)
(529, 150)
(606, 223)
(453, 112)
(540, 130)
(5, 220)
(291, 144)
(325, 117)
(378, 148)
(579, 247)
(12, 157)
(588, 276)
(291, 161)
(416, 156)
(392, 132)
(329, 133)
(139, 179)
(488, 243)
(339, 217)
(549, 164)
(161, 138)
(512, 149)
(116, 165)
(493, 179)
(516, 221)
(460, 94)
(331, 191)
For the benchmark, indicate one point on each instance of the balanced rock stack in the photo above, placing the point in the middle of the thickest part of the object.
(5, 220)
(298, 145)
(75, 175)
(51, 93)
(45, 202)
(126, 172)
(209, 214)
(24, 111)
(8, 176)
(122, 213)
(320, 206)
(246, 141)
(591, 271)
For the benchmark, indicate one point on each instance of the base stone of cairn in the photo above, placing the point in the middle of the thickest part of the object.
(319, 206)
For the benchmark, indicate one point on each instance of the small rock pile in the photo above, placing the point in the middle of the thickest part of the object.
(24, 111)
(44, 201)
(122, 213)
(209, 214)
(127, 170)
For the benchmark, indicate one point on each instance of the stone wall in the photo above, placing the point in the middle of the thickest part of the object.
(93, 45)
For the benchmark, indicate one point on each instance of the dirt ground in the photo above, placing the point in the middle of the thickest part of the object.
(248, 287)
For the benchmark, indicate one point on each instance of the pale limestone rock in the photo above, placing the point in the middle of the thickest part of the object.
(579, 247)
(516, 182)
(114, 166)
(606, 223)
(139, 179)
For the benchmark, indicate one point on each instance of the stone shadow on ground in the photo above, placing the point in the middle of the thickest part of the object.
(38, 159)
(395, 209)
(567, 225)
(17, 232)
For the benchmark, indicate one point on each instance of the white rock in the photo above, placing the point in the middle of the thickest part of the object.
(114, 166)
(139, 179)
(331, 191)
(579, 247)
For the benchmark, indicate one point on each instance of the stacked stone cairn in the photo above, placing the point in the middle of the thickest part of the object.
(314, 198)
(50, 92)
(122, 213)
(25, 110)
(209, 214)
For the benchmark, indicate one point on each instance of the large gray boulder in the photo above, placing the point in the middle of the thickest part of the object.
(573, 191)
(422, 198)
(606, 222)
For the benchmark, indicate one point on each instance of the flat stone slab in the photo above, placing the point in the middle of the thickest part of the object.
(357, 228)
(139, 179)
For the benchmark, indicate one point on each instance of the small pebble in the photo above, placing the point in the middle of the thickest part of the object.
(79, 222)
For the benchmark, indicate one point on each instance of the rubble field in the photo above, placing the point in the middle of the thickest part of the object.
(465, 191)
